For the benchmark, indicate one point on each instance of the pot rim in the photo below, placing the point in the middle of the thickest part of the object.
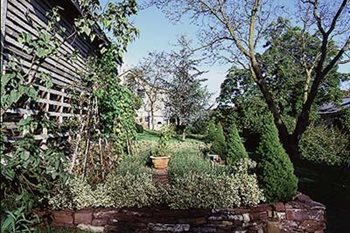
(160, 157)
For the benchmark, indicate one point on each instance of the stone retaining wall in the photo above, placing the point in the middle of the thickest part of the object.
(300, 215)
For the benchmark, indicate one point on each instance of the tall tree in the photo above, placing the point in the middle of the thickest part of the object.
(187, 97)
(235, 31)
(285, 74)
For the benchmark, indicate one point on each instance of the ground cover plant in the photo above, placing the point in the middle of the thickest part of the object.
(196, 183)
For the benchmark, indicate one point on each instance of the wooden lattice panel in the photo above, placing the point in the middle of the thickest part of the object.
(26, 16)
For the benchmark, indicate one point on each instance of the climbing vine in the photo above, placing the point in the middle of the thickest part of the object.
(107, 130)
(28, 170)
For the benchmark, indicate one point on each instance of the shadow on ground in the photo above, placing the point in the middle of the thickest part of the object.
(330, 186)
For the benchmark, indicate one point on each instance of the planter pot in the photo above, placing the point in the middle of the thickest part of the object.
(160, 162)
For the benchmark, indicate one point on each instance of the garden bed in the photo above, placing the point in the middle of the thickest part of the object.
(196, 196)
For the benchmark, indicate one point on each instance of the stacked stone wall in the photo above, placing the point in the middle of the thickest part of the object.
(300, 215)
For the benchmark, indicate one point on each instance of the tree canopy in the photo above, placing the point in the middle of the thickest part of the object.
(237, 32)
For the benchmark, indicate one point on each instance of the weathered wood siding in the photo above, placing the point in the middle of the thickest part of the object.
(26, 16)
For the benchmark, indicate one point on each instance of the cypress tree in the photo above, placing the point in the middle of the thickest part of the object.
(235, 147)
(276, 172)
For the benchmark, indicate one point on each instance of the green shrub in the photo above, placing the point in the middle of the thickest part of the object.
(166, 133)
(216, 138)
(133, 164)
(235, 147)
(325, 145)
(276, 172)
(146, 146)
(118, 190)
(222, 190)
(189, 161)
(28, 174)
(139, 128)
(343, 121)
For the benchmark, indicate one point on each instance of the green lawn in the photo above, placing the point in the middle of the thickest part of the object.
(152, 135)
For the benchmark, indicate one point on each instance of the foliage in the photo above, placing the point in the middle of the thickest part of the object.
(145, 147)
(128, 190)
(325, 145)
(111, 19)
(117, 112)
(285, 63)
(106, 129)
(285, 76)
(187, 97)
(199, 126)
(17, 83)
(166, 133)
(282, 63)
(235, 147)
(216, 138)
(276, 172)
(302, 57)
(139, 128)
(28, 173)
(342, 121)
(211, 188)
(129, 186)
(195, 183)
(187, 161)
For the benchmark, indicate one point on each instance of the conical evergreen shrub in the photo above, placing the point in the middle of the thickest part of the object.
(216, 138)
(234, 145)
(211, 132)
(275, 170)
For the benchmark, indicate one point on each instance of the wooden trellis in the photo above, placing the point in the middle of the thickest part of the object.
(19, 16)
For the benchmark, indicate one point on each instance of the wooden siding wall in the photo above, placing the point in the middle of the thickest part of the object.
(54, 101)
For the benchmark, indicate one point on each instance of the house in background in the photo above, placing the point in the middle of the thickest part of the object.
(330, 111)
(144, 116)
(144, 113)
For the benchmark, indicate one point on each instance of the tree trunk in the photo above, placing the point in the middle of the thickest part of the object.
(151, 120)
(184, 133)
(291, 145)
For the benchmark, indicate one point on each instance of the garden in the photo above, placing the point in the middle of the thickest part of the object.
(78, 153)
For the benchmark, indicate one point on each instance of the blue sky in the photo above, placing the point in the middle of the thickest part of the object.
(157, 33)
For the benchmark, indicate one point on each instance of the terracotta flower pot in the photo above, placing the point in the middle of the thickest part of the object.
(160, 163)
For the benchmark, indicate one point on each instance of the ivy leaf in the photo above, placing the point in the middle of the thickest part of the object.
(86, 29)
(92, 37)
(32, 93)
